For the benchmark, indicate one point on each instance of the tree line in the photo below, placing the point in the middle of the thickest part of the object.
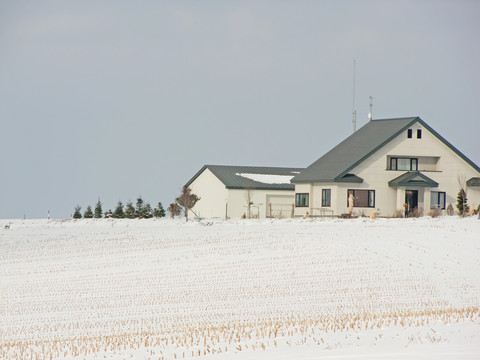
(142, 210)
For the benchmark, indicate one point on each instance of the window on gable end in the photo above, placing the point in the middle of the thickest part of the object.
(419, 133)
(409, 133)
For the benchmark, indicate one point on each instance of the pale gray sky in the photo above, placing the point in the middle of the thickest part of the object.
(116, 99)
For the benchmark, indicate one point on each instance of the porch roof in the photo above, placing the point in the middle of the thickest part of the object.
(413, 178)
(474, 181)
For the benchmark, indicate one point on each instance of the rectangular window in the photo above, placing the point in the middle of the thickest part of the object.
(414, 164)
(393, 163)
(437, 200)
(301, 200)
(326, 196)
(419, 133)
(363, 198)
(404, 164)
(409, 133)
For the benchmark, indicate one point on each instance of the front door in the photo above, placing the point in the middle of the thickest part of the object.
(411, 201)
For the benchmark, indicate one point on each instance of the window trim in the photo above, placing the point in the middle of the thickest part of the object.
(302, 196)
(369, 192)
(324, 198)
(438, 202)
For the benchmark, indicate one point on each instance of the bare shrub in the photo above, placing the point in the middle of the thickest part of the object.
(416, 213)
(398, 213)
(450, 210)
(435, 212)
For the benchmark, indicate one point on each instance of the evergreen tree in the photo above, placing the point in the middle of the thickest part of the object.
(462, 206)
(139, 207)
(98, 210)
(187, 200)
(88, 214)
(118, 213)
(159, 211)
(129, 211)
(147, 212)
(174, 209)
(77, 214)
(108, 214)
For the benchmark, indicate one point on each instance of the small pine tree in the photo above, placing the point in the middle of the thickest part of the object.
(88, 214)
(98, 210)
(108, 214)
(159, 211)
(129, 211)
(77, 214)
(174, 209)
(118, 213)
(462, 206)
(147, 212)
(139, 207)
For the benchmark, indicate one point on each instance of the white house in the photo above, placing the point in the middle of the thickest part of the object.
(388, 165)
(237, 191)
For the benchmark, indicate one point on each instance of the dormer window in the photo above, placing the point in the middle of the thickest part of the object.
(404, 164)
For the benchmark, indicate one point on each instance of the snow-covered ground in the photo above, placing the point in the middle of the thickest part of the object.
(272, 289)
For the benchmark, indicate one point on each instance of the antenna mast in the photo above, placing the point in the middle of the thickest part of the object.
(354, 112)
(370, 114)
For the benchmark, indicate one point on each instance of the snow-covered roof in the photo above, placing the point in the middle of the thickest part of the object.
(251, 177)
(268, 179)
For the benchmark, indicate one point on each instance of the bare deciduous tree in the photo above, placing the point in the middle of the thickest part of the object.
(187, 200)
(248, 194)
(174, 209)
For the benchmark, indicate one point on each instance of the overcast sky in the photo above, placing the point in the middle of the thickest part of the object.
(120, 99)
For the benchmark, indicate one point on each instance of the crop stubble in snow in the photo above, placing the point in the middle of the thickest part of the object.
(163, 289)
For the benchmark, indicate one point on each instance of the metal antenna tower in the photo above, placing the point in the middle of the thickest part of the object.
(370, 114)
(354, 111)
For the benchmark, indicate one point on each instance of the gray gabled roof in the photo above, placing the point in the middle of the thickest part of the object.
(335, 165)
(228, 176)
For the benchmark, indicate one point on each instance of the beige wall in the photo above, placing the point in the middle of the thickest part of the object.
(436, 160)
(281, 201)
(212, 193)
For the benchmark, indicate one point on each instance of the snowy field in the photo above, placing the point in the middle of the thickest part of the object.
(273, 289)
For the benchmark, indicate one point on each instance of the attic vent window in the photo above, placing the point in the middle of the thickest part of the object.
(419, 133)
(409, 133)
